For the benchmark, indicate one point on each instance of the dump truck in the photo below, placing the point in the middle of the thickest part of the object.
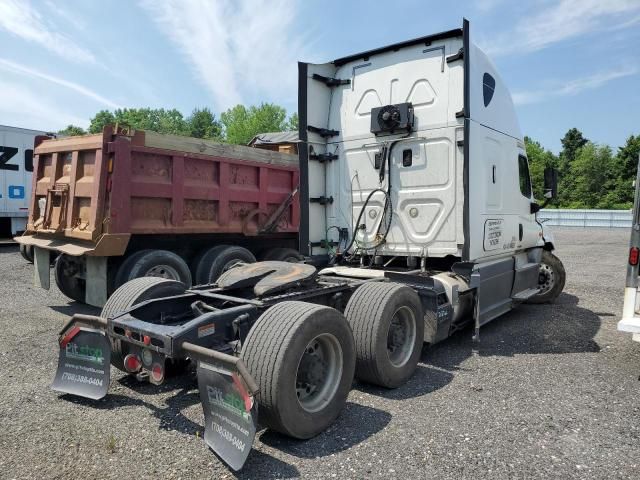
(630, 321)
(126, 203)
(417, 219)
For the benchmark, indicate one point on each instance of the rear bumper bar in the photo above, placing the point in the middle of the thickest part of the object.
(198, 352)
(108, 245)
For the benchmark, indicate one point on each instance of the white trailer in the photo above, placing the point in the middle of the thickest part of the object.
(416, 203)
(630, 321)
(16, 167)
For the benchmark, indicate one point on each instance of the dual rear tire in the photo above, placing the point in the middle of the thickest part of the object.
(303, 357)
(388, 328)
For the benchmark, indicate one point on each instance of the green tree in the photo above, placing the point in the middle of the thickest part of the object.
(292, 123)
(154, 119)
(591, 177)
(241, 124)
(72, 130)
(100, 120)
(203, 124)
(572, 142)
(539, 159)
(626, 166)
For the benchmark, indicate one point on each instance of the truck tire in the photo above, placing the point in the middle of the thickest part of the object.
(65, 271)
(27, 252)
(388, 328)
(154, 263)
(122, 274)
(302, 357)
(130, 294)
(282, 255)
(217, 260)
(551, 279)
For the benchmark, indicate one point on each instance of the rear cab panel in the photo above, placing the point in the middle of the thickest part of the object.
(425, 194)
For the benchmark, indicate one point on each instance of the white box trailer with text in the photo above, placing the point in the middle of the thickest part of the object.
(16, 167)
(417, 218)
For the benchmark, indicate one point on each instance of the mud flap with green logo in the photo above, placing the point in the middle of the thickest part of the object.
(83, 363)
(230, 413)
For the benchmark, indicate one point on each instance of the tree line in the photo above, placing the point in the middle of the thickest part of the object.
(591, 175)
(237, 125)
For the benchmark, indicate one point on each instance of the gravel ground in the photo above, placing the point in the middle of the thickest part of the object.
(553, 392)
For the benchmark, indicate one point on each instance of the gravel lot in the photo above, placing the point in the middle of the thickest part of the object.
(554, 392)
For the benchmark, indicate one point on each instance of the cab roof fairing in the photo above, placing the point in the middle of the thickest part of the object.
(499, 113)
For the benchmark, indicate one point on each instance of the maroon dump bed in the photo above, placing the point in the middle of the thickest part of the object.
(92, 193)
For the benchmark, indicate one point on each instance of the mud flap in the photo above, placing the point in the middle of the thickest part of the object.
(83, 363)
(230, 413)
(42, 264)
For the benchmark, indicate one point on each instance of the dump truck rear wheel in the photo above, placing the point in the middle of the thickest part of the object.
(217, 260)
(282, 255)
(154, 263)
(388, 329)
(66, 270)
(551, 279)
(27, 252)
(302, 357)
(130, 294)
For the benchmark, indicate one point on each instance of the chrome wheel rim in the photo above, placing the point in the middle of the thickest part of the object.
(319, 372)
(163, 271)
(401, 336)
(546, 279)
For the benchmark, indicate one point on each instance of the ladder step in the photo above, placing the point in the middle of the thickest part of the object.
(525, 294)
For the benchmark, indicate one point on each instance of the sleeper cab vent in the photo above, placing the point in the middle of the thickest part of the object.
(488, 87)
(392, 119)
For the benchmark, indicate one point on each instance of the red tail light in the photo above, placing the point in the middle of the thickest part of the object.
(634, 255)
(157, 373)
(132, 363)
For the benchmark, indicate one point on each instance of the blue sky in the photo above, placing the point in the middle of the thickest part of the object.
(568, 63)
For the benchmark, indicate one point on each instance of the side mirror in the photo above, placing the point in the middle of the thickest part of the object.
(550, 183)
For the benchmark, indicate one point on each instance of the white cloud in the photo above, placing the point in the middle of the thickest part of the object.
(237, 49)
(564, 20)
(68, 16)
(30, 72)
(572, 87)
(28, 109)
(486, 6)
(19, 18)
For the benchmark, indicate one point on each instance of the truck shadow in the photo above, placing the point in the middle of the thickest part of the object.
(558, 328)
(262, 465)
(425, 380)
(355, 424)
(170, 416)
(72, 308)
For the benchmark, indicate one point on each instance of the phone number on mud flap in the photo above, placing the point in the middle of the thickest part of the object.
(228, 436)
(82, 379)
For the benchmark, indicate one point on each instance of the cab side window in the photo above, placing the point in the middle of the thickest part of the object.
(525, 178)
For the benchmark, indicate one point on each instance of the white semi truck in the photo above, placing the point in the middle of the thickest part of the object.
(417, 219)
(16, 167)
